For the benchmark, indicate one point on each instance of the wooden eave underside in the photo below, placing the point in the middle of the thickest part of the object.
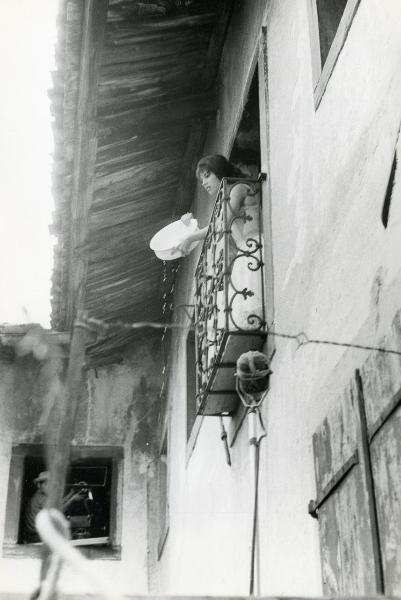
(133, 94)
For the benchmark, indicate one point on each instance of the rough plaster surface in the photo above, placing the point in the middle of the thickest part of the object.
(119, 407)
(337, 276)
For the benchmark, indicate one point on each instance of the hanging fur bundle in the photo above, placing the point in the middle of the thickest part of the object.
(253, 372)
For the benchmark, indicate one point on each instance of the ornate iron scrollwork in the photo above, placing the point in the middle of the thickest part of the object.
(229, 277)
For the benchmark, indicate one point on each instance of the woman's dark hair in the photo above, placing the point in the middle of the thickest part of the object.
(217, 164)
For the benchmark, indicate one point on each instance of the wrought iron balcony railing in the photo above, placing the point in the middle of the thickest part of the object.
(229, 296)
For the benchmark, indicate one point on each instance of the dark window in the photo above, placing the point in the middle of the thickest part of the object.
(330, 24)
(329, 13)
(90, 496)
(89, 516)
(246, 148)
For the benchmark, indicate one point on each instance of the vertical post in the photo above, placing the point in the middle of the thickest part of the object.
(254, 444)
(198, 378)
(93, 15)
(225, 199)
(93, 26)
(59, 452)
(261, 249)
(60, 455)
(367, 466)
(265, 191)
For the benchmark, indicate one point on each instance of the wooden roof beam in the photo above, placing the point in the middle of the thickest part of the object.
(93, 28)
(164, 23)
(156, 114)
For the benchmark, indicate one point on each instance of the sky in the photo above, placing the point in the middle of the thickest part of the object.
(27, 38)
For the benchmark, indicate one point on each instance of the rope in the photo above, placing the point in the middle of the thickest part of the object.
(302, 339)
(51, 567)
(47, 524)
(253, 376)
(48, 585)
(103, 328)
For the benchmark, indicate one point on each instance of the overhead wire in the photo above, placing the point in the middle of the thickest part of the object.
(103, 328)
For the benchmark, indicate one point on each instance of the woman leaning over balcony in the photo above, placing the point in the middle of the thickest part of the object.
(210, 170)
(245, 281)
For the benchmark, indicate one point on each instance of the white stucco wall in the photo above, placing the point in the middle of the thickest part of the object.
(329, 173)
(119, 409)
(337, 276)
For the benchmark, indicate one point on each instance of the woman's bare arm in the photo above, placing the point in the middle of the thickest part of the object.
(237, 196)
(196, 236)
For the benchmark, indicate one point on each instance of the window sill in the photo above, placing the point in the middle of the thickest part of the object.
(35, 551)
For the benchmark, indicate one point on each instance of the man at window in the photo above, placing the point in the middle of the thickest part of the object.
(38, 501)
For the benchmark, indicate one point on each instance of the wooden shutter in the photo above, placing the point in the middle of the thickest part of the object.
(381, 379)
(358, 477)
(343, 504)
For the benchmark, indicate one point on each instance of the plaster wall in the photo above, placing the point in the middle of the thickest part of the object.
(207, 549)
(336, 268)
(119, 407)
(336, 276)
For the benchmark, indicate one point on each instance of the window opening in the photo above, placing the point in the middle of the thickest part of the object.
(389, 192)
(87, 499)
(329, 24)
(329, 13)
(245, 153)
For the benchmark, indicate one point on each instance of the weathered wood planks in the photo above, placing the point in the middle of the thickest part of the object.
(133, 95)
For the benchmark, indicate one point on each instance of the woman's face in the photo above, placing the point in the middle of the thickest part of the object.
(210, 182)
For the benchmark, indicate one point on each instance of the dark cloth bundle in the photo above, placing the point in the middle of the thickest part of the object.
(253, 372)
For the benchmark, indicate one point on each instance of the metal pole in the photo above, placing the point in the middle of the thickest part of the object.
(254, 420)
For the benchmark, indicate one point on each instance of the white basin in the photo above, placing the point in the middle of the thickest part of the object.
(164, 242)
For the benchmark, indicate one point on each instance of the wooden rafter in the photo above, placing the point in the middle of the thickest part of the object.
(93, 27)
(137, 95)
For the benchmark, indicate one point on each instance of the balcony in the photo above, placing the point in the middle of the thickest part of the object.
(229, 297)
